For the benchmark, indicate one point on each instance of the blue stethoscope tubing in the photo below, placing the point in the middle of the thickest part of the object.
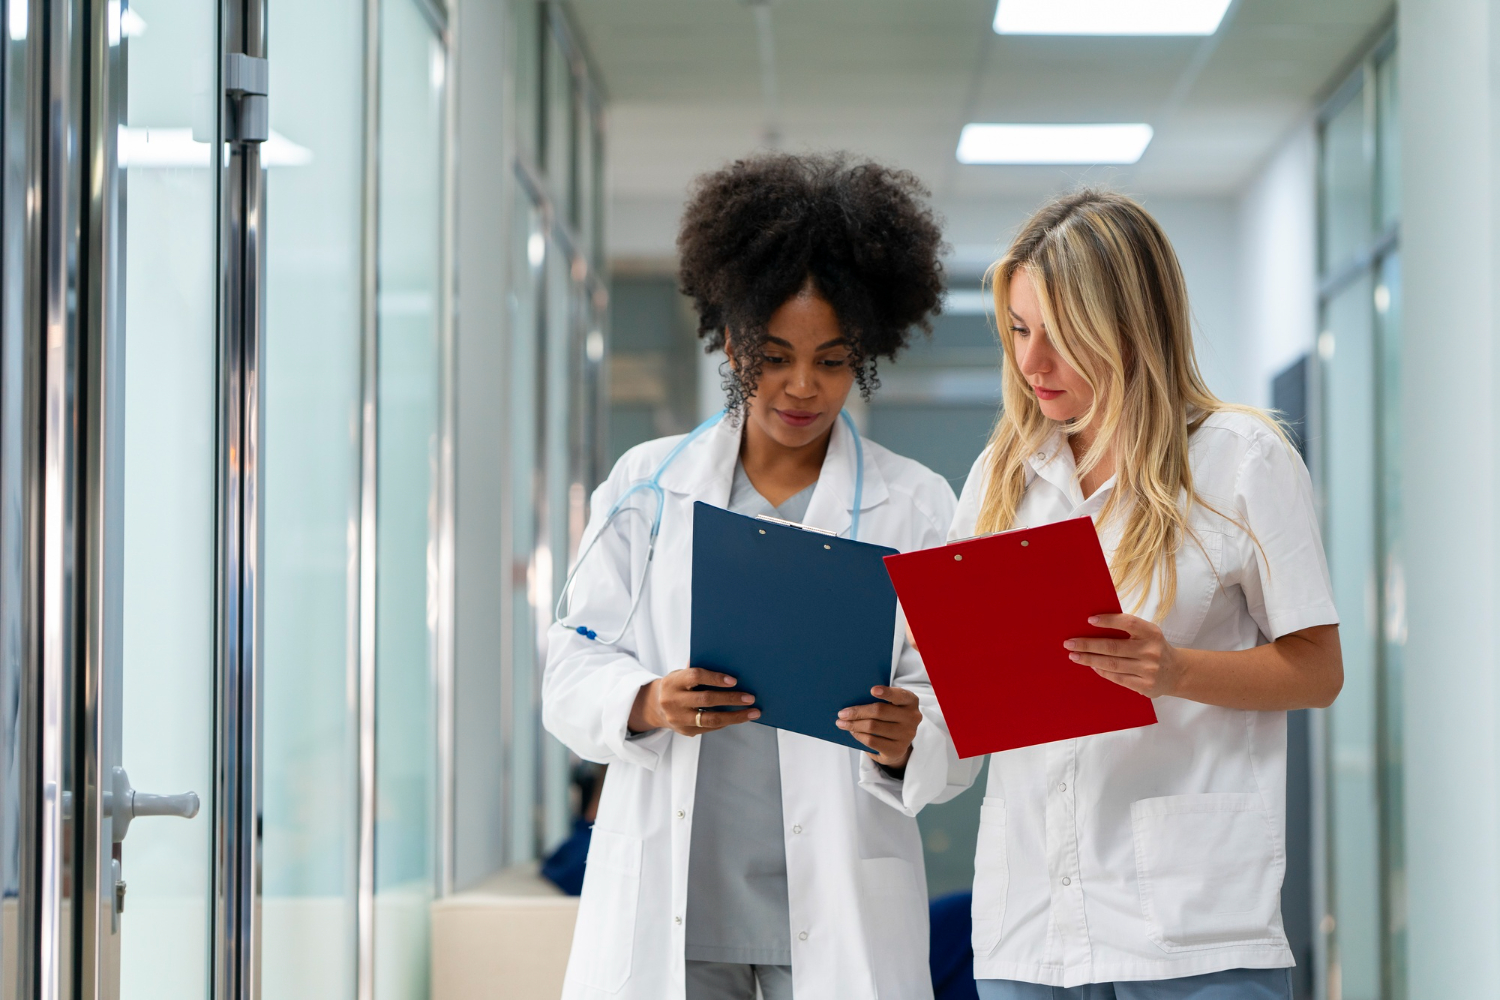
(653, 486)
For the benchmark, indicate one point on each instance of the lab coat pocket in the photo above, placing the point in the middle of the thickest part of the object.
(895, 906)
(1210, 869)
(991, 877)
(604, 938)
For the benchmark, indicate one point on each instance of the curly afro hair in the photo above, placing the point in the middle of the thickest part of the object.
(762, 229)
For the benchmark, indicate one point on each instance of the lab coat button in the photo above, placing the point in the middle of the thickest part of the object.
(681, 814)
(797, 828)
(1061, 788)
(802, 936)
(677, 920)
(1066, 881)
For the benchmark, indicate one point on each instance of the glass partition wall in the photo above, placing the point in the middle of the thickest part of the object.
(1357, 448)
(556, 438)
(225, 497)
(314, 393)
(226, 482)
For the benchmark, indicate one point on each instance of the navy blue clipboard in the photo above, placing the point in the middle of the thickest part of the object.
(803, 620)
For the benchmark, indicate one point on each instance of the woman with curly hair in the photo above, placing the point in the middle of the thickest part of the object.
(726, 855)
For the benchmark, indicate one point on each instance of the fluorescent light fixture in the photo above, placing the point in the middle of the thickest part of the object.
(1109, 17)
(1052, 144)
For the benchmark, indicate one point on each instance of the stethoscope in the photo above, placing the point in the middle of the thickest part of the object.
(653, 487)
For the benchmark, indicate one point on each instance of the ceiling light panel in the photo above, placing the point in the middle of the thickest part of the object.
(1109, 17)
(983, 142)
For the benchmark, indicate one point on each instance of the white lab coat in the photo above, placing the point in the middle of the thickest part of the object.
(857, 892)
(1158, 853)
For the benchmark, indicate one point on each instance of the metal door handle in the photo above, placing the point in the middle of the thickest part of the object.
(134, 803)
(124, 804)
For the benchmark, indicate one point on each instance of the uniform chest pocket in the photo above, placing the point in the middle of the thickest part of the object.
(1200, 571)
(1209, 867)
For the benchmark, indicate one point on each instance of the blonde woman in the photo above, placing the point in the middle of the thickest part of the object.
(1146, 864)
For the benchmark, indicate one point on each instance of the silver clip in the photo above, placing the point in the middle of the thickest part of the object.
(795, 524)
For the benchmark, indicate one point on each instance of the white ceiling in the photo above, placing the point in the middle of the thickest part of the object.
(897, 79)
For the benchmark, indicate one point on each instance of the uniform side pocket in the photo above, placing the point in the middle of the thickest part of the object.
(895, 926)
(604, 937)
(1209, 868)
(991, 877)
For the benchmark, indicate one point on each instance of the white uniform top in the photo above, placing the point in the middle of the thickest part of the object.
(1158, 853)
(857, 895)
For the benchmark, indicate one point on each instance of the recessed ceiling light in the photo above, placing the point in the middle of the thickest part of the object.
(1052, 144)
(1109, 17)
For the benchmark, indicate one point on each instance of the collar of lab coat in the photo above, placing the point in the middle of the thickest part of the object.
(705, 470)
(1053, 462)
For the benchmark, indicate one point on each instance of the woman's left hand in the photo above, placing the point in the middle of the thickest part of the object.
(1146, 662)
(887, 727)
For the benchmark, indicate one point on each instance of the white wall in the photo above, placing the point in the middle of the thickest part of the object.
(1278, 264)
(1450, 71)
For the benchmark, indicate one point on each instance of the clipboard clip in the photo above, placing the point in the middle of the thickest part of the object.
(796, 524)
(970, 538)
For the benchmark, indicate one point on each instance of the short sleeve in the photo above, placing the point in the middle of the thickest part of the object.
(1284, 574)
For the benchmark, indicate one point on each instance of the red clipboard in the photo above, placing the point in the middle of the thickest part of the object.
(990, 616)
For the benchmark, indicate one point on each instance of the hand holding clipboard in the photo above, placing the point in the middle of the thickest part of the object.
(990, 616)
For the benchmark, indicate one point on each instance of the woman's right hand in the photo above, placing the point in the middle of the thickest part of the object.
(671, 703)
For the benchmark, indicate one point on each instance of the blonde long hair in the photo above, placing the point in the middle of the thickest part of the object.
(1116, 308)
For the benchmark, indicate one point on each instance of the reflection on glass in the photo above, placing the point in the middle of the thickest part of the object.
(170, 378)
(1393, 623)
(412, 72)
(1388, 136)
(1347, 350)
(564, 498)
(530, 556)
(585, 222)
(312, 403)
(526, 52)
(558, 124)
(12, 643)
(1348, 203)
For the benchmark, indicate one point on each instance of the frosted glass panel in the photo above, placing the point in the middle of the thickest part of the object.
(1348, 184)
(1349, 448)
(170, 379)
(532, 568)
(1388, 298)
(1388, 138)
(410, 385)
(311, 502)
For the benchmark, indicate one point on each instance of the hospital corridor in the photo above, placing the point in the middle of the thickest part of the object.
(334, 334)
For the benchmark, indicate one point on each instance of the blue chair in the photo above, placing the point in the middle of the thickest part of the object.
(564, 867)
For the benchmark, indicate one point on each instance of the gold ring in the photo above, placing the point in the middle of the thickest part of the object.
(699, 720)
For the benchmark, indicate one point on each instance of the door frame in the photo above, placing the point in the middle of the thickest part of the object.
(61, 480)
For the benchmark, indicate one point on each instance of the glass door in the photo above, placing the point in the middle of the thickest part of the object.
(130, 538)
(409, 493)
(314, 388)
(216, 722)
(169, 330)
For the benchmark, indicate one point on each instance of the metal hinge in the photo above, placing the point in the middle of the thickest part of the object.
(247, 82)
